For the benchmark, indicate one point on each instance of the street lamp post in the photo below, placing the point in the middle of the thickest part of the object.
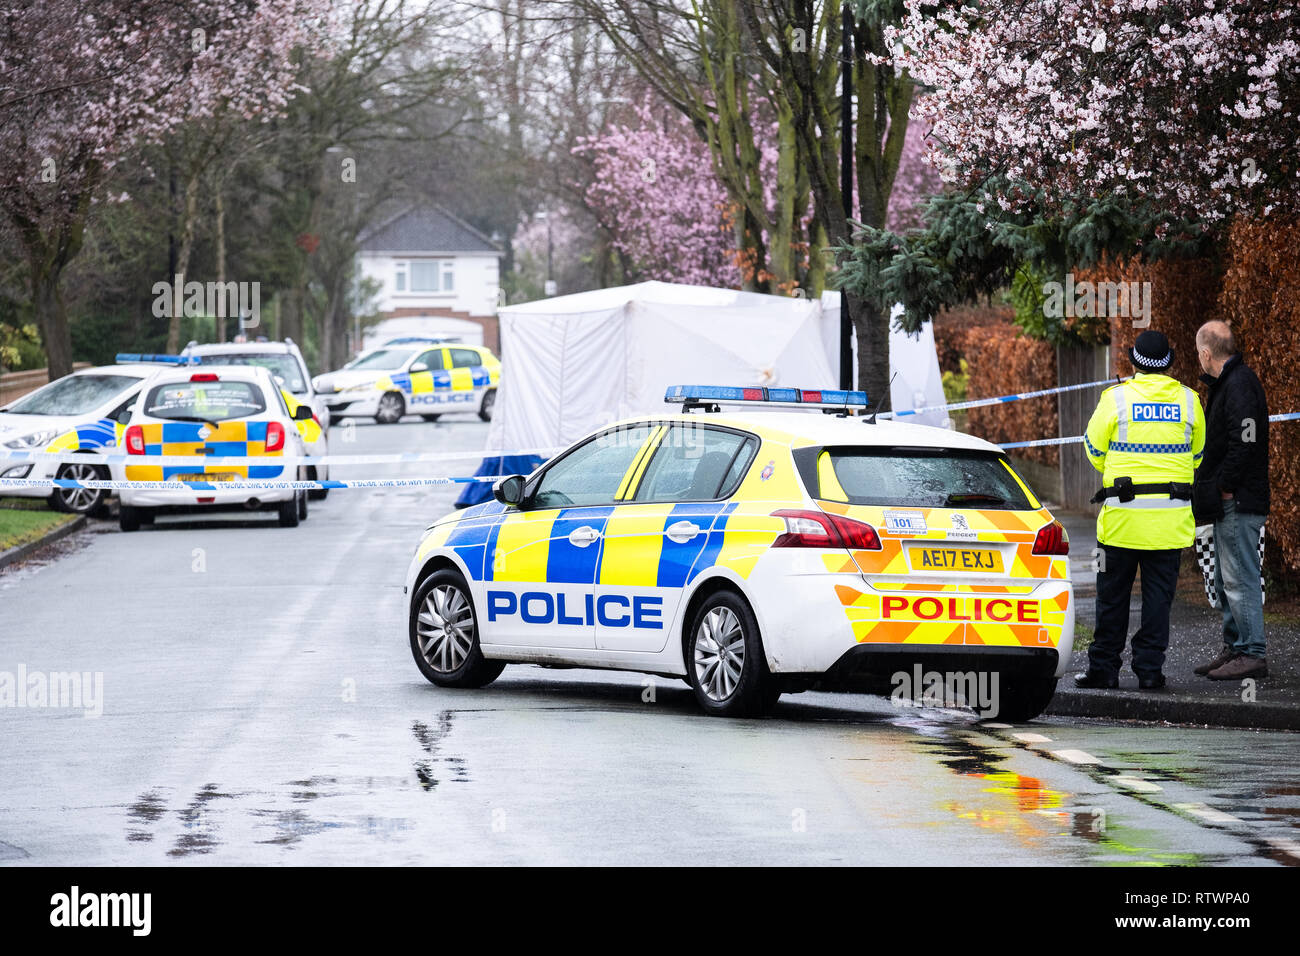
(846, 183)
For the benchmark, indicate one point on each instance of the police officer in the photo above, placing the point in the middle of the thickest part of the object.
(1146, 438)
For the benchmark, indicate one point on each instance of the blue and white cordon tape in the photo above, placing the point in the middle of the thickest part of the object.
(1042, 442)
(998, 399)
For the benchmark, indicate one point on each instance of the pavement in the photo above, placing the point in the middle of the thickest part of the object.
(1195, 637)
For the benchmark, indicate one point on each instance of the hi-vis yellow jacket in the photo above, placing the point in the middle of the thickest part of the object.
(1150, 429)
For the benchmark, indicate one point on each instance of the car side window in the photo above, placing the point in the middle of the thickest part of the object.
(592, 473)
(432, 360)
(465, 358)
(122, 413)
(695, 463)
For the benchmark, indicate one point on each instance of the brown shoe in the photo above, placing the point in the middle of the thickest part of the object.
(1241, 667)
(1225, 655)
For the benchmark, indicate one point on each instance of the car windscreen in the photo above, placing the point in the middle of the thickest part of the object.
(204, 401)
(921, 478)
(384, 359)
(73, 395)
(283, 366)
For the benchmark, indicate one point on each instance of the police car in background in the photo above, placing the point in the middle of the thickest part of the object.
(286, 364)
(753, 554)
(81, 413)
(197, 411)
(414, 376)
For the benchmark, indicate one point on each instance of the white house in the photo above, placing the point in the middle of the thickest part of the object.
(428, 262)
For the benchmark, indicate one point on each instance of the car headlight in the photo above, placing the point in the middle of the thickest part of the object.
(34, 439)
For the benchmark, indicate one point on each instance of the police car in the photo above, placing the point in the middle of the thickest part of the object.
(202, 410)
(286, 364)
(754, 553)
(414, 378)
(81, 413)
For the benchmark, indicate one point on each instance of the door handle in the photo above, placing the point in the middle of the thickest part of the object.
(682, 531)
(581, 537)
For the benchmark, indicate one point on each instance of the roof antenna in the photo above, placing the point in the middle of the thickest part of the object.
(889, 391)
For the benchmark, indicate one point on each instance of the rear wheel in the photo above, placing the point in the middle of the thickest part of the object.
(391, 408)
(1020, 698)
(316, 494)
(431, 418)
(302, 506)
(130, 519)
(444, 634)
(288, 511)
(725, 659)
(489, 403)
(79, 501)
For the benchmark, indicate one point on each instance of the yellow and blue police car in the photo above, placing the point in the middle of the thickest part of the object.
(413, 376)
(218, 411)
(752, 554)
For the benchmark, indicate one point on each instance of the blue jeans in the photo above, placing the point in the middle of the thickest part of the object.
(1236, 579)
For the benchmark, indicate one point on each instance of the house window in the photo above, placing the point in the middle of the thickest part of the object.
(400, 283)
(448, 276)
(432, 275)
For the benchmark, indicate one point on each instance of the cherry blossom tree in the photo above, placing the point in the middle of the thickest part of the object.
(82, 82)
(1190, 106)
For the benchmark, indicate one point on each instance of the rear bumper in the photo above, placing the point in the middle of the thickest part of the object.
(873, 667)
(135, 498)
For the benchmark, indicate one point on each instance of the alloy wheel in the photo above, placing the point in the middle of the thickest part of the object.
(719, 653)
(445, 628)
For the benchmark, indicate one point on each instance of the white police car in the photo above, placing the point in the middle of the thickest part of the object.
(414, 377)
(754, 554)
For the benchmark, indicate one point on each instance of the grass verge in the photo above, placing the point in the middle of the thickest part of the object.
(24, 521)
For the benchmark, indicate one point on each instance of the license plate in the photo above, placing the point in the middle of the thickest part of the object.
(215, 476)
(979, 560)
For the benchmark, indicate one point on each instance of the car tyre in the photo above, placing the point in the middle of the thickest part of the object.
(316, 494)
(288, 511)
(130, 519)
(432, 418)
(444, 634)
(1020, 699)
(489, 402)
(302, 505)
(725, 660)
(79, 501)
(391, 408)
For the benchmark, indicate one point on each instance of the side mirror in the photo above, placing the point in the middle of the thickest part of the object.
(302, 413)
(509, 491)
(124, 416)
(419, 367)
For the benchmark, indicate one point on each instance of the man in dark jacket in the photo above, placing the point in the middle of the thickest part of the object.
(1231, 490)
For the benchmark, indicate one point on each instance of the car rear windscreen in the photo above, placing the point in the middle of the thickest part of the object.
(73, 395)
(204, 401)
(283, 366)
(920, 478)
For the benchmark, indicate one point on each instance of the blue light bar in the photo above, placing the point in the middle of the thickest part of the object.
(737, 394)
(156, 359)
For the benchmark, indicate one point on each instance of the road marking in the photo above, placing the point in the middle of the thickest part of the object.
(1208, 814)
(1137, 783)
(1032, 738)
(1075, 756)
(1285, 845)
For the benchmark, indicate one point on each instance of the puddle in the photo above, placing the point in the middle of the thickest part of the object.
(431, 740)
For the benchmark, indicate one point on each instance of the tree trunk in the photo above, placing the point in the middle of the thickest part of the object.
(52, 320)
(189, 216)
(872, 331)
(221, 256)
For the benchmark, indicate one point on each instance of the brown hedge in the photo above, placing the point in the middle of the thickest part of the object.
(1001, 361)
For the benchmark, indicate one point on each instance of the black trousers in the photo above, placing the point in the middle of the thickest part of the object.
(1118, 568)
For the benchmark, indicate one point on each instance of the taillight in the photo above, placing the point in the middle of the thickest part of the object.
(817, 529)
(274, 436)
(204, 377)
(134, 439)
(1052, 539)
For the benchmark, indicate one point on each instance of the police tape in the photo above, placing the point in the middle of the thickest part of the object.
(999, 399)
(395, 458)
(1043, 442)
(266, 484)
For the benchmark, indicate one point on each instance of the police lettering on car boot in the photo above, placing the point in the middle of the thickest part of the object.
(1146, 437)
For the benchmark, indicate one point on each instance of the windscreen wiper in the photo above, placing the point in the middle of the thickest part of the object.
(973, 497)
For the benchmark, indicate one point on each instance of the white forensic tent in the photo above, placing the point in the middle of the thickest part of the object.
(916, 381)
(573, 363)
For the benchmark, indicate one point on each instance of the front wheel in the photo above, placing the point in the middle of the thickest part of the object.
(1020, 698)
(130, 519)
(391, 408)
(725, 659)
(444, 634)
(79, 501)
(489, 403)
(302, 506)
